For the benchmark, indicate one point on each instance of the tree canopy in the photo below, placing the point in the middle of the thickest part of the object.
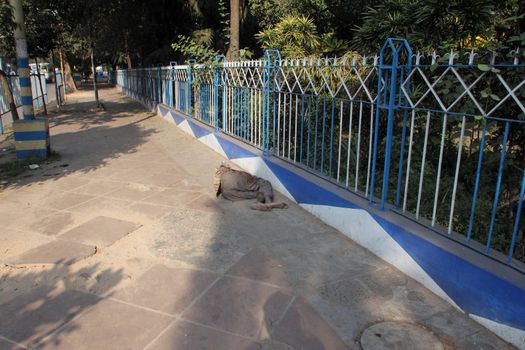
(137, 33)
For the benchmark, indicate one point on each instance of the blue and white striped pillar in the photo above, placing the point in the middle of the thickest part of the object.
(31, 135)
(22, 60)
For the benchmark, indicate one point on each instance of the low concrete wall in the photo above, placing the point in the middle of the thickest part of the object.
(489, 292)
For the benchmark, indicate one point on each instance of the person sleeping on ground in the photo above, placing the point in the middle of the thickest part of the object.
(237, 185)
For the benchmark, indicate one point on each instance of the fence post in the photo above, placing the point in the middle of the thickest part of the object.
(159, 88)
(272, 60)
(217, 82)
(390, 87)
(171, 87)
(189, 109)
(266, 100)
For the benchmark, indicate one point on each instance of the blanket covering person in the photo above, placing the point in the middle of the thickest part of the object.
(237, 185)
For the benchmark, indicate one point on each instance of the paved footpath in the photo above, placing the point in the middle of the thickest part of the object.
(121, 244)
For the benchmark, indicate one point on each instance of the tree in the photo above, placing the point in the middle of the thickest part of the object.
(235, 22)
(8, 95)
(6, 30)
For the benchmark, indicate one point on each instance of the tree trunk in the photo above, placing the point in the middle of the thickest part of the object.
(95, 88)
(128, 60)
(127, 55)
(9, 95)
(67, 74)
(58, 98)
(62, 76)
(235, 21)
(70, 82)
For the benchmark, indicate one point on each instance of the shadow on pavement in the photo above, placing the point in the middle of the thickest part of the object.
(86, 138)
(41, 300)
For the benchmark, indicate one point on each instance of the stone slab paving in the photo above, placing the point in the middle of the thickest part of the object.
(8, 345)
(100, 231)
(99, 187)
(169, 290)
(240, 306)
(107, 326)
(14, 242)
(30, 318)
(55, 252)
(66, 200)
(180, 269)
(173, 197)
(303, 328)
(185, 335)
(257, 266)
(10, 214)
(395, 335)
(53, 224)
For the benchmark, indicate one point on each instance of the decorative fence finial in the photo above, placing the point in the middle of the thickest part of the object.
(451, 56)
(516, 54)
(418, 58)
(471, 55)
(434, 56)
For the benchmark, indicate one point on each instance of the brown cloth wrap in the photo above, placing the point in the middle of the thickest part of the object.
(237, 185)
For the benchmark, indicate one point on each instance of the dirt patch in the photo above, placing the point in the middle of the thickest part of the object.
(13, 168)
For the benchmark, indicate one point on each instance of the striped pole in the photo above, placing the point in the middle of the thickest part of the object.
(22, 60)
(31, 135)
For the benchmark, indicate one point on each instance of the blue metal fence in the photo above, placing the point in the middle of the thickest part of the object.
(440, 139)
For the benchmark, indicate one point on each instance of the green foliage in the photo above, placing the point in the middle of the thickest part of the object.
(6, 30)
(294, 36)
(143, 31)
(297, 36)
(431, 24)
(41, 29)
(190, 48)
(390, 19)
(270, 12)
(224, 14)
(245, 54)
(331, 45)
(41, 36)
